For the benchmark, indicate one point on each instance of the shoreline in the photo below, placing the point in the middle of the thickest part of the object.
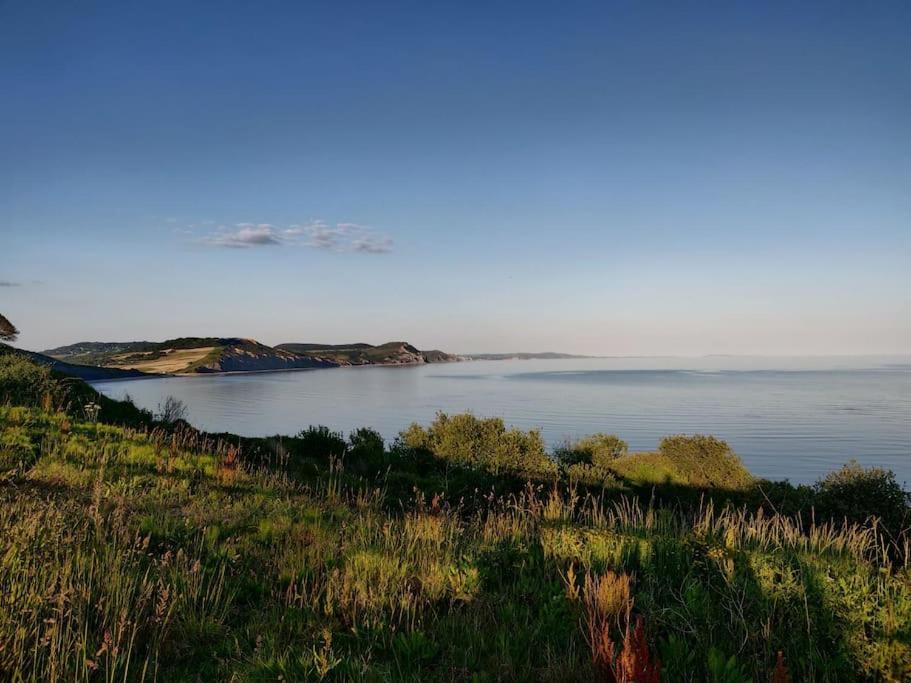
(149, 375)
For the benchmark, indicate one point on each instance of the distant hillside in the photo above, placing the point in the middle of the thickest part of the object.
(546, 355)
(390, 353)
(200, 355)
(86, 372)
(97, 353)
(187, 355)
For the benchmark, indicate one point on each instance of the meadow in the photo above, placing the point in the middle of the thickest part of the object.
(137, 548)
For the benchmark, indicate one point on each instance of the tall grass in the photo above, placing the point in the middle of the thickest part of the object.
(155, 554)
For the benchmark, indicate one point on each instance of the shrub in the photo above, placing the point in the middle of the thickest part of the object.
(705, 462)
(172, 410)
(859, 493)
(598, 449)
(366, 448)
(25, 383)
(591, 475)
(481, 443)
(321, 442)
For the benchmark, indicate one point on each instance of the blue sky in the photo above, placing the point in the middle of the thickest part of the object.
(617, 178)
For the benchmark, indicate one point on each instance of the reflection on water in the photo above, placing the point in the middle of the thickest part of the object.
(787, 418)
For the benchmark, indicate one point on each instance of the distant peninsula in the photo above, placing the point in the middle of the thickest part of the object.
(97, 360)
(207, 355)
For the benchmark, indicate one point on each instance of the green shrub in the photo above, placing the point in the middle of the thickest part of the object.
(25, 383)
(481, 443)
(859, 493)
(705, 462)
(591, 475)
(366, 449)
(598, 449)
(321, 443)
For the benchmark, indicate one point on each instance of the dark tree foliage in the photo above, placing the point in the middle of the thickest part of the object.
(858, 493)
(8, 331)
(321, 443)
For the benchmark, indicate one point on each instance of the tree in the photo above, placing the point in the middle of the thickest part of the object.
(8, 331)
(172, 410)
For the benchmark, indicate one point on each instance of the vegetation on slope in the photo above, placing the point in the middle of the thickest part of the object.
(187, 355)
(190, 355)
(390, 353)
(460, 552)
(87, 372)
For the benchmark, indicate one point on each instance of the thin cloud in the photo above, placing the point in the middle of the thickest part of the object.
(8, 283)
(372, 245)
(245, 235)
(341, 237)
(316, 234)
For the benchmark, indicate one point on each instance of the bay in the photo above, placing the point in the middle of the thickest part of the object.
(788, 418)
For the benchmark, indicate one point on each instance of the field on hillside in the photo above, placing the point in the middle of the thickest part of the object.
(461, 552)
(166, 361)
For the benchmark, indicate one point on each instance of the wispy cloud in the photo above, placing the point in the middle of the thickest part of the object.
(244, 236)
(8, 283)
(372, 245)
(316, 234)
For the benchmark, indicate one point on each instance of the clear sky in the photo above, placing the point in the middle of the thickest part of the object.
(605, 177)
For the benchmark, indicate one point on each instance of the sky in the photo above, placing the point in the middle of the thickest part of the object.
(618, 178)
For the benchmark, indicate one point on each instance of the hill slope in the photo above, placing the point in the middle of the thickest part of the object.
(390, 353)
(89, 373)
(187, 355)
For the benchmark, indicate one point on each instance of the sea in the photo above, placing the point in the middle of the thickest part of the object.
(787, 418)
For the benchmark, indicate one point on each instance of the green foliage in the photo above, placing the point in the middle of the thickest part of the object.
(725, 669)
(599, 450)
(588, 474)
(859, 493)
(321, 443)
(366, 450)
(124, 555)
(482, 443)
(705, 462)
(25, 383)
(366, 354)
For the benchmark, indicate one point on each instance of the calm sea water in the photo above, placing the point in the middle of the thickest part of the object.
(793, 418)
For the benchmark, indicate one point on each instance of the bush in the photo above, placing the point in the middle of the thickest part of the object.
(481, 443)
(25, 383)
(598, 449)
(591, 475)
(366, 449)
(321, 443)
(172, 410)
(859, 493)
(705, 462)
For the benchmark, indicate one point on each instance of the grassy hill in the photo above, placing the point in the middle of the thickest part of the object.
(186, 355)
(390, 353)
(86, 372)
(133, 550)
(195, 355)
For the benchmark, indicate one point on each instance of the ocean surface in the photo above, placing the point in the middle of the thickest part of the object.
(788, 418)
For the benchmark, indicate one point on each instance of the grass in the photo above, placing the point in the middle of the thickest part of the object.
(142, 552)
